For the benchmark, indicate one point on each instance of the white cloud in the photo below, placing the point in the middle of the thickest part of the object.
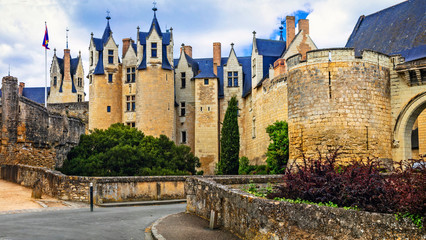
(195, 23)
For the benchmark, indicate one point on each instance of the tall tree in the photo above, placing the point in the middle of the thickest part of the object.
(229, 141)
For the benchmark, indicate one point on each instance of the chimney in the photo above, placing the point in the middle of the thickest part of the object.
(280, 67)
(290, 29)
(304, 25)
(188, 50)
(21, 88)
(217, 55)
(67, 65)
(126, 44)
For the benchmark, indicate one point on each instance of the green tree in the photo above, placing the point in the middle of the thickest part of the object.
(278, 147)
(229, 141)
(124, 151)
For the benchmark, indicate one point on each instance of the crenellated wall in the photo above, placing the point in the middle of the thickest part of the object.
(337, 99)
(31, 134)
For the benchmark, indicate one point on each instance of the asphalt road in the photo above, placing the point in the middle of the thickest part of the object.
(102, 223)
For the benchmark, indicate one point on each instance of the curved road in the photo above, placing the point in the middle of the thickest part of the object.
(102, 223)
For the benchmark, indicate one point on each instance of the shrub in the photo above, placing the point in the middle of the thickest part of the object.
(246, 169)
(360, 184)
(278, 148)
(124, 151)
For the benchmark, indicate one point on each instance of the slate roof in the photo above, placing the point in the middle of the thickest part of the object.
(205, 65)
(73, 70)
(270, 48)
(165, 42)
(34, 93)
(400, 29)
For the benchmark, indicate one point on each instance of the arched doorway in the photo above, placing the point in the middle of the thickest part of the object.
(403, 127)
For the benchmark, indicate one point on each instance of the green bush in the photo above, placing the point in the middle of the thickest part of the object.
(246, 169)
(278, 148)
(124, 151)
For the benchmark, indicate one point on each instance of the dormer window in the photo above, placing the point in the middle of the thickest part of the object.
(153, 49)
(79, 82)
(111, 56)
(232, 79)
(183, 80)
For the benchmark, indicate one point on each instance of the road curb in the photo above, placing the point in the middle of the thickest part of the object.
(153, 228)
(141, 203)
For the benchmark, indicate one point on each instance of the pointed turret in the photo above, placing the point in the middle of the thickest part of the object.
(107, 31)
(154, 24)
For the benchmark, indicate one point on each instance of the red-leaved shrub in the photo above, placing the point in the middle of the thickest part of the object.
(360, 184)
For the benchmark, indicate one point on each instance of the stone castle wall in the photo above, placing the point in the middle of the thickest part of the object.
(266, 105)
(343, 102)
(78, 110)
(155, 104)
(33, 135)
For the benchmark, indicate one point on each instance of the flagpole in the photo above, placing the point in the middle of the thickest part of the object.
(45, 74)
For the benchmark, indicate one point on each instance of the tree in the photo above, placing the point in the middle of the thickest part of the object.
(229, 141)
(124, 151)
(278, 148)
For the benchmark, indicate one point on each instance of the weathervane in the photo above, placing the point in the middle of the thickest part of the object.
(154, 8)
(108, 17)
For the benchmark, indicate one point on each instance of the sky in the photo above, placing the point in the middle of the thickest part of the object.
(198, 23)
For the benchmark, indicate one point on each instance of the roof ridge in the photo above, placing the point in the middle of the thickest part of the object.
(385, 9)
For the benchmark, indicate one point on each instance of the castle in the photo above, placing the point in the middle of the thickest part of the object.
(350, 97)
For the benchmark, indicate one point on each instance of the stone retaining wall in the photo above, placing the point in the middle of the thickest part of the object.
(106, 189)
(255, 218)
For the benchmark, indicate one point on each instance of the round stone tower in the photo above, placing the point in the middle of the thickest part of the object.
(338, 100)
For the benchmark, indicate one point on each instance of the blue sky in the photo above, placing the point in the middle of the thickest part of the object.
(196, 23)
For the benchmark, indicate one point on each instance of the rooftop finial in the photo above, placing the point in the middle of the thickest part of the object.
(281, 30)
(67, 29)
(232, 45)
(108, 17)
(154, 8)
(254, 33)
(9, 70)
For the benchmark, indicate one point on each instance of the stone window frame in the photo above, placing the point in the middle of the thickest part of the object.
(182, 109)
(79, 98)
(55, 81)
(110, 77)
(109, 109)
(206, 81)
(183, 80)
(154, 52)
(79, 82)
(130, 103)
(131, 124)
(131, 75)
(110, 56)
(232, 78)
(184, 137)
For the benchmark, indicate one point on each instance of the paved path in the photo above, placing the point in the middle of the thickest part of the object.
(16, 197)
(102, 223)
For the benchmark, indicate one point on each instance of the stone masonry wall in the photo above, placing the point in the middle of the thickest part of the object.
(106, 189)
(266, 105)
(31, 134)
(343, 102)
(78, 110)
(251, 217)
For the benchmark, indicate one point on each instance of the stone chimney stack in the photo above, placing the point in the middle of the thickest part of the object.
(21, 88)
(217, 56)
(126, 44)
(304, 25)
(290, 29)
(188, 50)
(67, 65)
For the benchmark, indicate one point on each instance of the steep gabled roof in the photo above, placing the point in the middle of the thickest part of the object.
(270, 48)
(156, 26)
(400, 29)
